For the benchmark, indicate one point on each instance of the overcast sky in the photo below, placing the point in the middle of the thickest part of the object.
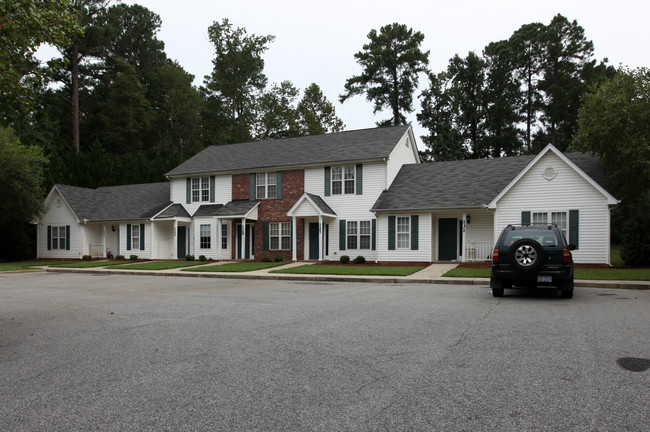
(316, 41)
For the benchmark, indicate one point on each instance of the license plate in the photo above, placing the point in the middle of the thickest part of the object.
(544, 278)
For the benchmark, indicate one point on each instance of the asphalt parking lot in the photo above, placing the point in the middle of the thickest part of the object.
(139, 353)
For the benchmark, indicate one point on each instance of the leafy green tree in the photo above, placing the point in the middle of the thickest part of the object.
(391, 63)
(565, 55)
(25, 25)
(444, 141)
(503, 101)
(468, 100)
(614, 123)
(277, 114)
(237, 80)
(526, 48)
(21, 193)
(316, 114)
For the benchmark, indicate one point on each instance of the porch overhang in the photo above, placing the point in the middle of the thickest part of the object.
(311, 205)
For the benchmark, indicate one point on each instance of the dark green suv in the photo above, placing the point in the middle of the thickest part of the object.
(527, 256)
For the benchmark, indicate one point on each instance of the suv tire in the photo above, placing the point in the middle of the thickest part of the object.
(527, 255)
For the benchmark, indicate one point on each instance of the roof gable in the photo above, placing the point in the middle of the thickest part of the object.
(332, 148)
(128, 202)
(473, 183)
(588, 163)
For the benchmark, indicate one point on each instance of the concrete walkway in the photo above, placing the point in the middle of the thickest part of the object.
(431, 274)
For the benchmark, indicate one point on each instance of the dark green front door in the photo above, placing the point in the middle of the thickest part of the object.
(313, 240)
(447, 239)
(181, 241)
(249, 242)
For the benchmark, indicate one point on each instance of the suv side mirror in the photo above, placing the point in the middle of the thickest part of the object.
(572, 247)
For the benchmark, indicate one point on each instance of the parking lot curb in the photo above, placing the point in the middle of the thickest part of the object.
(632, 285)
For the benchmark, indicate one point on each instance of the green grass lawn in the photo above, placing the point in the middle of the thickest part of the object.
(238, 267)
(157, 265)
(350, 270)
(587, 274)
(25, 265)
(88, 264)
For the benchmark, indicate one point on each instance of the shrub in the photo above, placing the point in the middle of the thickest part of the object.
(359, 260)
(635, 244)
(189, 257)
(278, 258)
(202, 258)
(119, 257)
(133, 257)
(266, 259)
(344, 259)
(86, 257)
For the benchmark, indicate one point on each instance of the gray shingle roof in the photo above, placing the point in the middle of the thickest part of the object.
(208, 210)
(322, 205)
(113, 203)
(358, 145)
(175, 210)
(236, 208)
(463, 184)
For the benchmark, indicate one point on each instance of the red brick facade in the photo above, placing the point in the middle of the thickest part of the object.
(273, 210)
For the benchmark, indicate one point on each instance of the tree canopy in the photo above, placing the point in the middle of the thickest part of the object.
(391, 63)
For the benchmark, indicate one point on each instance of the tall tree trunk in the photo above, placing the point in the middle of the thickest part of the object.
(75, 96)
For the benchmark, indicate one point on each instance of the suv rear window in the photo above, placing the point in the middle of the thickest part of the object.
(543, 236)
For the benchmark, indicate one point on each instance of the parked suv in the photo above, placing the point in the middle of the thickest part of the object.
(532, 255)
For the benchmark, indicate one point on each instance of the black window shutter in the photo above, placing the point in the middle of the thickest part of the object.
(141, 236)
(265, 236)
(67, 237)
(574, 229)
(525, 218)
(359, 179)
(128, 236)
(278, 188)
(327, 180)
(415, 232)
(391, 232)
(374, 234)
(49, 237)
(212, 191)
(251, 193)
(342, 236)
(188, 190)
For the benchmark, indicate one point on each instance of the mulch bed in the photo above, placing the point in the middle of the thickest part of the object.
(379, 264)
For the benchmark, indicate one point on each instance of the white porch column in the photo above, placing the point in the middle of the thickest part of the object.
(175, 239)
(321, 237)
(243, 238)
(151, 242)
(294, 245)
(104, 240)
(217, 224)
(463, 251)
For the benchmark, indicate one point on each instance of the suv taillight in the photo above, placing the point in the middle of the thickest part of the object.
(566, 255)
(495, 256)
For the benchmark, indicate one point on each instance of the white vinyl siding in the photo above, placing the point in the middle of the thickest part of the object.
(423, 253)
(403, 153)
(223, 192)
(566, 191)
(60, 216)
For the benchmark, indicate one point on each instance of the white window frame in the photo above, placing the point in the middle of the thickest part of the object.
(357, 233)
(265, 183)
(279, 235)
(205, 241)
(135, 237)
(343, 180)
(200, 189)
(224, 236)
(403, 232)
(59, 238)
(551, 217)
